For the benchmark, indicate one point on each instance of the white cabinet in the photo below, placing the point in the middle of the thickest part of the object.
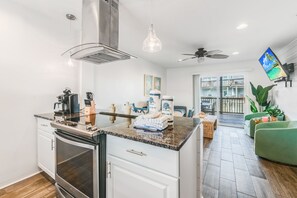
(46, 147)
(136, 169)
(129, 180)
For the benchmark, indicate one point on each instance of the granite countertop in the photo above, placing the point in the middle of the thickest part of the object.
(171, 138)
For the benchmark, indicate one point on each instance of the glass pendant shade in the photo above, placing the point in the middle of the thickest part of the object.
(69, 62)
(152, 43)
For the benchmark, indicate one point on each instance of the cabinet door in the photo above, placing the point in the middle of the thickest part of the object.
(128, 180)
(46, 153)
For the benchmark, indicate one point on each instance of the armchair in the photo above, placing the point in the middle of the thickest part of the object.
(277, 141)
(249, 123)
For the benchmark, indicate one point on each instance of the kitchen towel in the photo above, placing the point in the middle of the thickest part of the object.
(152, 122)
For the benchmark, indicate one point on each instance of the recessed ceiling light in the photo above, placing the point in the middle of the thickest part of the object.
(235, 53)
(242, 26)
(179, 60)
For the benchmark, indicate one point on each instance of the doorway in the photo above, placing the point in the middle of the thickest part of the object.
(223, 96)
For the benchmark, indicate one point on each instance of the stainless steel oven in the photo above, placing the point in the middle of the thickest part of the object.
(80, 166)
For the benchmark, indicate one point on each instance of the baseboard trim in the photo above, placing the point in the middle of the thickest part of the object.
(1, 187)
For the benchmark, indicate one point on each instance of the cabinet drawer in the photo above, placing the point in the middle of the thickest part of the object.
(153, 157)
(45, 125)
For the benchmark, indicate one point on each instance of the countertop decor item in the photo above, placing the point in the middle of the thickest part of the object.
(168, 108)
(154, 101)
(127, 108)
(90, 104)
(112, 108)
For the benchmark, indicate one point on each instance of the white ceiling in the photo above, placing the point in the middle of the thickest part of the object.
(185, 25)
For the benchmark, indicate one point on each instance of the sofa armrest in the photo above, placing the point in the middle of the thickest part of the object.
(277, 144)
(273, 125)
(255, 115)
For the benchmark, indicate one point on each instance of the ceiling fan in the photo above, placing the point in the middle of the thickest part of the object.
(201, 53)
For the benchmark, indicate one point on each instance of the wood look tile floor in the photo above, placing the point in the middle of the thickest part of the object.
(230, 169)
(37, 186)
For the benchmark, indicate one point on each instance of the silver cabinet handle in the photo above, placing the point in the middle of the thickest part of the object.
(45, 125)
(136, 152)
(52, 144)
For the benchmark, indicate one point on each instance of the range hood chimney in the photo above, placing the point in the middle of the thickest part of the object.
(100, 33)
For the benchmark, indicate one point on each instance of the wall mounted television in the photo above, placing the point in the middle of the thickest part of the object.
(272, 66)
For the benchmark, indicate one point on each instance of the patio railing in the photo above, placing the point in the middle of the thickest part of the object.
(226, 105)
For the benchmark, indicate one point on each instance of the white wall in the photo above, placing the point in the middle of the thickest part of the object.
(123, 81)
(286, 97)
(180, 80)
(32, 74)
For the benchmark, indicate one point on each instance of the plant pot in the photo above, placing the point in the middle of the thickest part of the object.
(281, 118)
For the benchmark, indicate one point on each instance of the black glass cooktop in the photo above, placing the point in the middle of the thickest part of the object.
(102, 119)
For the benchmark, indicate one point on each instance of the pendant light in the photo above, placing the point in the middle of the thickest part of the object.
(70, 17)
(151, 43)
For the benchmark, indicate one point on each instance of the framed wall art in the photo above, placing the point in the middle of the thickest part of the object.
(148, 84)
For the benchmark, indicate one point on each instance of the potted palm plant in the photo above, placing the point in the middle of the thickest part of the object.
(261, 94)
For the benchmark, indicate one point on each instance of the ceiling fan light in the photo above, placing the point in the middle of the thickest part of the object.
(242, 26)
(152, 43)
(200, 59)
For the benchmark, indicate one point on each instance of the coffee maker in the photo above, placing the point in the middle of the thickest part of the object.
(67, 103)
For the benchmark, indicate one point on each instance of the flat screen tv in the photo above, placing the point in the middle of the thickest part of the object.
(272, 65)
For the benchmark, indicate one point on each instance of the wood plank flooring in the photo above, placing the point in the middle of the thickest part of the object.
(37, 186)
(230, 169)
(233, 170)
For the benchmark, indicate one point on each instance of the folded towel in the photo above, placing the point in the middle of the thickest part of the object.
(152, 122)
(150, 116)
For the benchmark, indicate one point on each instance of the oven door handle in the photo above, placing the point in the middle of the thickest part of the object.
(74, 143)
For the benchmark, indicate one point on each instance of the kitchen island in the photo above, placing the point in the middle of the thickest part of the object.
(143, 164)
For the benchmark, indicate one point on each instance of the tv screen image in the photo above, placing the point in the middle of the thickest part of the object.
(272, 65)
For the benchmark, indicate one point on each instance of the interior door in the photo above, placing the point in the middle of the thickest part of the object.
(128, 180)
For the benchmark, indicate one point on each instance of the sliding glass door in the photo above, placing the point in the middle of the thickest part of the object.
(223, 96)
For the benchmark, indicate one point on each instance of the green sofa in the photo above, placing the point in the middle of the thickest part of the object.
(249, 123)
(277, 141)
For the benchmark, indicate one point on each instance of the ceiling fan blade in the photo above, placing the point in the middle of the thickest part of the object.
(218, 56)
(180, 60)
(189, 54)
(212, 52)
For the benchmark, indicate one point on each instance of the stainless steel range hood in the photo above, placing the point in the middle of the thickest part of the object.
(100, 33)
